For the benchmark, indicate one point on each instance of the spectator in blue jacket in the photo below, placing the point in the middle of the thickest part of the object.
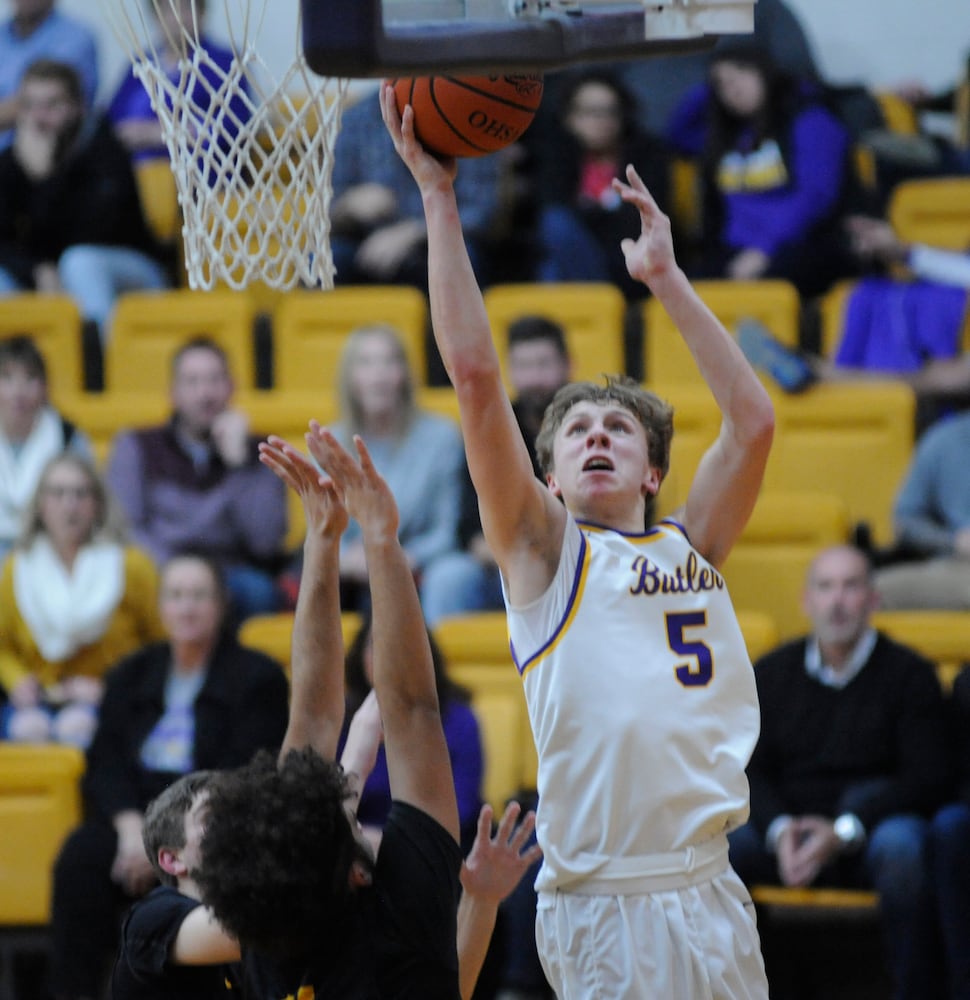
(776, 173)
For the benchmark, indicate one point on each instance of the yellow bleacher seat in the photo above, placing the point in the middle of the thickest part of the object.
(666, 358)
(54, 324)
(940, 636)
(40, 804)
(853, 439)
(102, 415)
(288, 414)
(148, 327)
(697, 422)
(159, 198)
(591, 313)
(273, 634)
(766, 568)
(310, 328)
(759, 630)
(932, 210)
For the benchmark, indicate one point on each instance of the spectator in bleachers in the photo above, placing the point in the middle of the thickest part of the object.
(74, 599)
(661, 80)
(378, 233)
(130, 109)
(932, 524)
(776, 172)
(849, 767)
(198, 700)
(468, 578)
(582, 219)
(37, 30)
(31, 432)
(196, 482)
(462, 735)
(70, 216)
(419, 454)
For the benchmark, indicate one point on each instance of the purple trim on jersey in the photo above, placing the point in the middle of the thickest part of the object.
(616, 531)
(678, 526)
(577, 578)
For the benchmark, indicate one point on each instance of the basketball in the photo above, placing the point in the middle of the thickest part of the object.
(469, 115)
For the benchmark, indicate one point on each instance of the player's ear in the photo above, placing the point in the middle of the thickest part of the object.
(553, 484)
(651, 481)
(170, 862)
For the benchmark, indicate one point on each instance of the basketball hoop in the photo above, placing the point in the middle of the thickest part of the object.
(252, 154)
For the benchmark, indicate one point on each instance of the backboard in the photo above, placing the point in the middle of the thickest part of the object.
(375, 38)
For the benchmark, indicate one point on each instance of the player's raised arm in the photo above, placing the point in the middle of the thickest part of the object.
(729, 476)
(519, 517)
(317, 658)
(418, 765)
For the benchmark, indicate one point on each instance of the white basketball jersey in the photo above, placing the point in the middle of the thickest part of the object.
(642, 702)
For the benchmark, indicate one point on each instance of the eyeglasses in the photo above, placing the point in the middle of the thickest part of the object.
(72, 492)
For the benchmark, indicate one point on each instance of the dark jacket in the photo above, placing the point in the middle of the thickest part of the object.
(875, 748)
(242, 707)
(91, 198)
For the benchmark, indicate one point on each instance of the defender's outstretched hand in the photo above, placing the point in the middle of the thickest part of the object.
(322, 505)
(652, 255)
(496, 864)
(360, 486)
(426, 169)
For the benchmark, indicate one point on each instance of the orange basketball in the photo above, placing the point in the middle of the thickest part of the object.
(470, 115)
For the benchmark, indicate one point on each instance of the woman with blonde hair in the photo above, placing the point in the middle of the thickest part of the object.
(74, 598)
(419, 454)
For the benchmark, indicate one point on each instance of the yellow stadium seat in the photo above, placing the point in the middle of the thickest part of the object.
(697, 422)
(40, 804)
(591, 313)
(940, 636)
(102, 415)
(766, 568)
(288, 415)
(310, 328)
(898, 113)
(932, 210)
(853, 439)
(273, 634)
(477, 637)
(159, 198)
(148, 327)
(667, 360)
(54, 324)
(759, 630)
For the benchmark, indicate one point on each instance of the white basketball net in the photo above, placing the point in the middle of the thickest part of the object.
(253, 159)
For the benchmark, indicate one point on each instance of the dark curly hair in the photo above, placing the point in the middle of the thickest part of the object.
(277, 852)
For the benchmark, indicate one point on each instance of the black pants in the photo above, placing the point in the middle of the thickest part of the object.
(86, 913)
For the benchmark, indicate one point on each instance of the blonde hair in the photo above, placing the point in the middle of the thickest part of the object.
(109, 524)
(350, 411)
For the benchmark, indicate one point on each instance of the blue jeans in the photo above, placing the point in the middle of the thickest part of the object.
(896, 863)
(950, 853)
(568, 251)
(94, 276)
(251, 592)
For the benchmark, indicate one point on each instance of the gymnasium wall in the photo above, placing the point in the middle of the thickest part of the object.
(876, 42)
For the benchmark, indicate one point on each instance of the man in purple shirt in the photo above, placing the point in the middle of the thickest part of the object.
(195, 483)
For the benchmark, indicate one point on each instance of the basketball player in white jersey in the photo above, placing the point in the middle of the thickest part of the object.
(639, 688)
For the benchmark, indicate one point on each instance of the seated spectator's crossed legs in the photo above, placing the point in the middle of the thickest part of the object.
(941, 584)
